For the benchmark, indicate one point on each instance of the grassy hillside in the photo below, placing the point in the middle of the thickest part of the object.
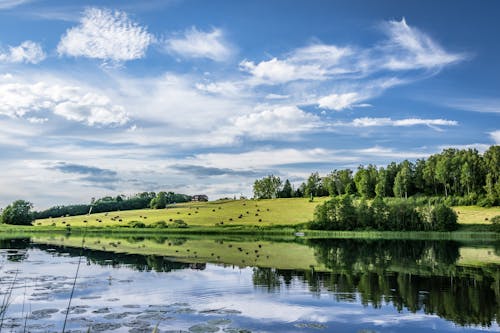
(265, 213)
(218, 213)
(475, 214)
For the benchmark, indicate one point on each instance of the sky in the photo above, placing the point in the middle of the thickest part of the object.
(203, 97)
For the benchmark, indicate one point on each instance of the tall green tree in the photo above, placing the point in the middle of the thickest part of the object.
(19, 213)
(287, 191)
(492, 163)
(366, 179)
(382, 186)
(267, 188)
(403, 179)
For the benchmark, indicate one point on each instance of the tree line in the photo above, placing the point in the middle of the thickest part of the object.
(461, 177)
(108, 204)
(20, 211)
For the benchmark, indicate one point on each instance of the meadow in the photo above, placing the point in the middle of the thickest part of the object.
(234, 215)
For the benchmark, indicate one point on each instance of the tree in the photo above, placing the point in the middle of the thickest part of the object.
(366, 179)
(287, 191)
(19, 213)
(267, 188)
(160, 201)
(313, 185)
(381, 188)
(492, 162)
(402, 182)
(443, 218)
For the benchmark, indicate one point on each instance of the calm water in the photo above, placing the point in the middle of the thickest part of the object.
(374, 286)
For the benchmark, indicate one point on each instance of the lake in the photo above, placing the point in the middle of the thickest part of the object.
(229, 284)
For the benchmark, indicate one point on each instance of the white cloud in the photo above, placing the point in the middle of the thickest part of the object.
(26, 52)
(481, 147)
(313, 62)
(341, 77)
(385, 152)
(195, 43)
(408, 49)
(276, 96)
(376, 122)
(484, 105)
(106, 35)
(19, 99)
(495, 136)
(226, 88)
(339, 102)
(281, 122)
(8, 4)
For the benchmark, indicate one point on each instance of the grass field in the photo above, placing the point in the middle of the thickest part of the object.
(240, 213)
(263, 213)
(475, 214)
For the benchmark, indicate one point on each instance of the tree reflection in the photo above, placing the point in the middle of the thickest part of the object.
(413, 275)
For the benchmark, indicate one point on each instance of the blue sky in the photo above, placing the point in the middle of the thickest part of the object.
(109, 97)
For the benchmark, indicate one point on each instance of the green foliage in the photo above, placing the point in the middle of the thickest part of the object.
(159, 224)
(179, 224)
(287, 191)
(403, 179)
(339, 213)
(267, 188)
(18, 213)
(495, 223)
(136, 224)
(159, 202)
(366, 179)
(464, 177)
(109, 204)
(443, 218)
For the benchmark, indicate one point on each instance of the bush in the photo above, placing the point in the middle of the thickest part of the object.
(443, 218)
(404, 216)
(485, 202)
(159, 224)
(495, 223)
(179, 224)
(136, 224)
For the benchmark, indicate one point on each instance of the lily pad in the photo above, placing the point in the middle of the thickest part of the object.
(204, 328)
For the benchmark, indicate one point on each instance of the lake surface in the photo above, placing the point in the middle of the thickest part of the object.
(202, 285)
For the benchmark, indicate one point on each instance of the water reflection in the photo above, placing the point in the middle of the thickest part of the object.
(415, 276)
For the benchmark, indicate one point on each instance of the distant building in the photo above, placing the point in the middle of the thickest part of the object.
(199, 197)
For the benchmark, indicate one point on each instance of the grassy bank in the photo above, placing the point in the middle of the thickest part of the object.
(281, 217)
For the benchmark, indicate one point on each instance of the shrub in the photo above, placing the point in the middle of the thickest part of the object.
(443, 218)
(159, 224)
(179, 224)
(495, 223)
(136, 224)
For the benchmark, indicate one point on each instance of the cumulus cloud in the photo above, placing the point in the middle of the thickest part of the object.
(194, 43)
(107, 35)
(495, 136)
(26, 52)
(70, 102)
(283, 122)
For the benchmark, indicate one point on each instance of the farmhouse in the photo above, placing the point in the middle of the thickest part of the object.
(199, 197)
